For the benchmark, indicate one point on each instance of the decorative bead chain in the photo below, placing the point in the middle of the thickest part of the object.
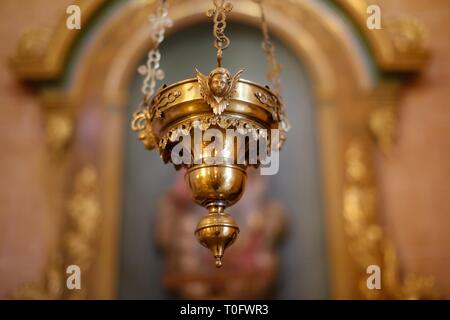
(152, 71)
(219, 15)
(275, 68)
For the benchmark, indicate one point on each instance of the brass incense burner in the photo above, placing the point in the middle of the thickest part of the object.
(177, 118)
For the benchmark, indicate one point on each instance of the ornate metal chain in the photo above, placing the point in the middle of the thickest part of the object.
(219, 15)
(275, 68)
(274, 72)
(152, 71)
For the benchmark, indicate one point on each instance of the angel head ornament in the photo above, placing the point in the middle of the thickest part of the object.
(218, 88)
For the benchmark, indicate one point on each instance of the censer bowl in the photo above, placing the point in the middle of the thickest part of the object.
(216, 185)
(178, 110)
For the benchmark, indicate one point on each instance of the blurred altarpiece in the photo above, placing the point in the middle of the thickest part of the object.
(84, 122)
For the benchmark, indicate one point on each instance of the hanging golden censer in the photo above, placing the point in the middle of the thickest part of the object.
(219, 101)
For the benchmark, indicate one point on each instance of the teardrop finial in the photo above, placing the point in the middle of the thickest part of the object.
(216, 231)
(218, 262)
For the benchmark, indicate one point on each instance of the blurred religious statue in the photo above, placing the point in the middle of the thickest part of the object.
(251, 266)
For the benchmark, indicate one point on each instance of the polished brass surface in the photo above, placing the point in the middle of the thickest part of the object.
(220, 101)
(178, 109)
(218, 185)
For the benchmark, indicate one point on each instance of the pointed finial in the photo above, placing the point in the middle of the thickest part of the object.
(218, 262)
(217, 231)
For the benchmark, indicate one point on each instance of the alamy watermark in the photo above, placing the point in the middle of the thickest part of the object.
(374, 17)
(214, 146)
(374, 279)
(73, 21)
(73, 281)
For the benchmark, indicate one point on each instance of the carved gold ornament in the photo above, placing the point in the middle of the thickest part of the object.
(218, 88)
(368, 244)
(59, 131)
(83, 212)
